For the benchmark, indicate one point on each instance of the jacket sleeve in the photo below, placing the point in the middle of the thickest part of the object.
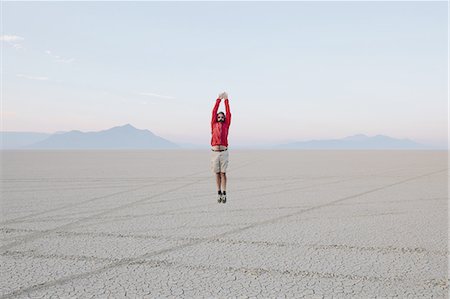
(227, 110)
(214, 112)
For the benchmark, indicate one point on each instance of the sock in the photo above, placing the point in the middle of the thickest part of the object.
(224, 192)
(219, 192)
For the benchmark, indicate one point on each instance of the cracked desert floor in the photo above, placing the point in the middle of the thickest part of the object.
(297, 224)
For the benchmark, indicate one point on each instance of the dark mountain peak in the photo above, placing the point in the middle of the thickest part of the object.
(382, 136)
(126, 126)
(74, 132)
(119, 137)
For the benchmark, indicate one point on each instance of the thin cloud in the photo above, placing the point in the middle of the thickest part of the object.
(32, 77)
(58, 58)
(12, 40)
(155, 95)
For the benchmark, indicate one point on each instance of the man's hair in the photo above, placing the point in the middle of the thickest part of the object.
(221, 112)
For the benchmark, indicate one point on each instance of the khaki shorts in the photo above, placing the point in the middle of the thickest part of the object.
(219, 161)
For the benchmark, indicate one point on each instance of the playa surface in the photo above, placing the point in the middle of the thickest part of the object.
(312, 224)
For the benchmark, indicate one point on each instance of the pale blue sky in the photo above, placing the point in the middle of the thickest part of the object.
(293, 70)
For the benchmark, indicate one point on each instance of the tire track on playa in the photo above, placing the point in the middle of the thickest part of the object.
(71, 205)
(31, 237)
(168, 212)
(93, 184)
(343, 247)
(119, 218)
(82, 187)
(199, 196)
(188, 209)
(245, 270)
(19, 219)
(89, 185)
(171, 211)
(138, 259)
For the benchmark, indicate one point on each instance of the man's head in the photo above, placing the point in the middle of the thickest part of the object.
(221, 117)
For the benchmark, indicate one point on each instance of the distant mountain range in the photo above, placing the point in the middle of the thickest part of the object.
(359, 141)
(120, 137)
(17, 140)
(129, 137)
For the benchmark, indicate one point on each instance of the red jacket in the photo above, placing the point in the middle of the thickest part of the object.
(219, 130)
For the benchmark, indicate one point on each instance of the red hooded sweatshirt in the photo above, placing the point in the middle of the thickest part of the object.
(219, 130)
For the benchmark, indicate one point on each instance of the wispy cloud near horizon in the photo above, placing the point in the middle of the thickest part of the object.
(59, 58)
(13, 40)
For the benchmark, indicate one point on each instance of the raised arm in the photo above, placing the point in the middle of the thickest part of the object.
(227, 110)
(214, 111)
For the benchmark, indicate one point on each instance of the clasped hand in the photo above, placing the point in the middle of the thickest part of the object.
(223, 95)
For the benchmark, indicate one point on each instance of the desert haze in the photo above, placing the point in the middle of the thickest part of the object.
(315, 224)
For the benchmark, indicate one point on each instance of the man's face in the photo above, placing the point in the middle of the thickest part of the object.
(220, 118)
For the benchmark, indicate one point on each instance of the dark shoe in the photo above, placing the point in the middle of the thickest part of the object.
(224, 198)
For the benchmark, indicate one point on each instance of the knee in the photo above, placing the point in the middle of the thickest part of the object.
(223, 174)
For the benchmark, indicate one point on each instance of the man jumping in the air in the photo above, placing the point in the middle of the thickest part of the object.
(220, 123)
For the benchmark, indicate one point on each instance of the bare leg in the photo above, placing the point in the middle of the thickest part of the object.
(218, 181)
(224, 181)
